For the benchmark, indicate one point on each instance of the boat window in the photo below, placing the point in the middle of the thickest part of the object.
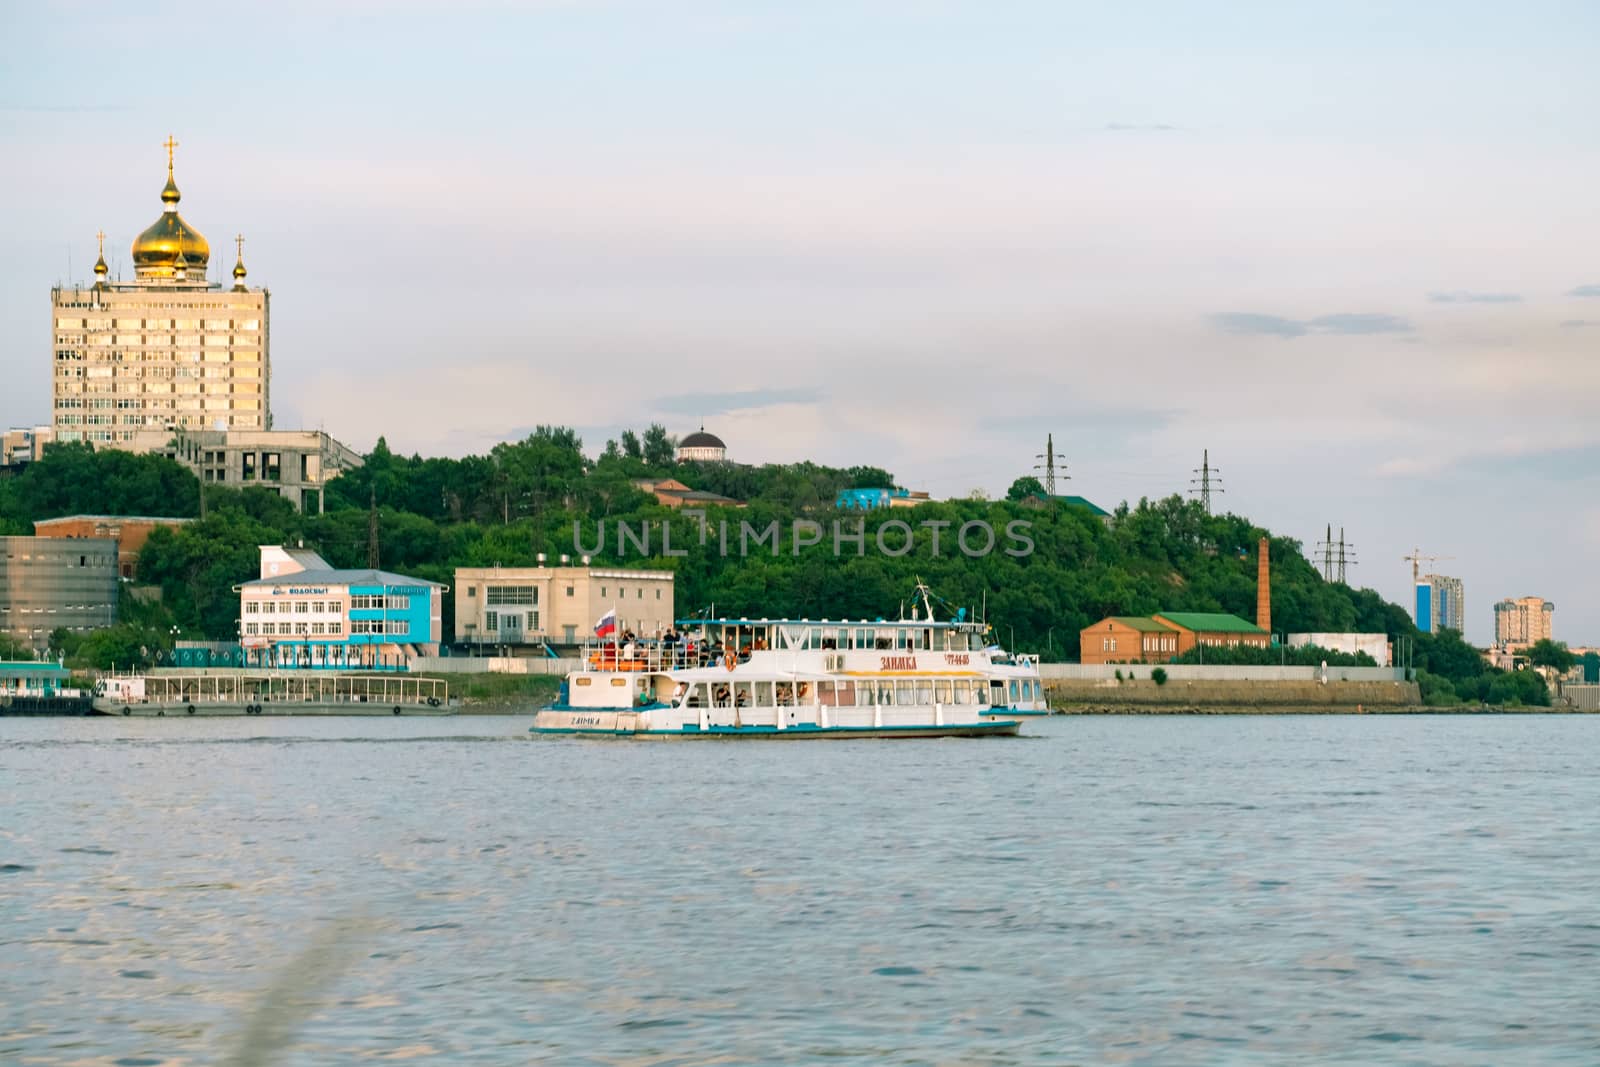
(846, 694)
(1014, 696)
(763, 694)
(904, 695)
(864, 694)
(697, 695)
(785, 695)
(815, 637)
(924, 691)
(863, 639)
(825, 694)
(981, 691)
(886, 693)
(721, 695)
(962, 692)
(741, 694)
(941, 692)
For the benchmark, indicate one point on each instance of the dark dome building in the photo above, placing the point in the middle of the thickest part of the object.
(702, 447)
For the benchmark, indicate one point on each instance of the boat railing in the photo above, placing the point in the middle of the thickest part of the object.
(653, 654)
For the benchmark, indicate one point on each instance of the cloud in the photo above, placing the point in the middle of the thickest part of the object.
(1586, 290)
(1249, 322)
(1578, 324)
(1462, 296)
(1346, 323)
(702, 404)
(1140, 127)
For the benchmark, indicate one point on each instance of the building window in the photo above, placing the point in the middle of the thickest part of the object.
(335, 628)
(252, 629)
(533, 621)
(319, 628)
(512, 595)
(569, 590)
(251, 607)
(472, 592)
(301, 628)
(302, 607)
(491, 620)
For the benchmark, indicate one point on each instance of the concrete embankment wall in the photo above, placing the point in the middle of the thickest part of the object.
(1232, 693)
(1194, 672)
(495, 665)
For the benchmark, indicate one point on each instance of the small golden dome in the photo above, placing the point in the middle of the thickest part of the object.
(238, 270)
(170, 194)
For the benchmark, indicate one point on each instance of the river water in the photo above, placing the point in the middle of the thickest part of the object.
(1108, 890)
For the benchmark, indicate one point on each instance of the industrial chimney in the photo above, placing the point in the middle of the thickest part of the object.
(1263, 588)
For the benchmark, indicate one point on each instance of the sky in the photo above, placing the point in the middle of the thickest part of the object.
(1350, 249)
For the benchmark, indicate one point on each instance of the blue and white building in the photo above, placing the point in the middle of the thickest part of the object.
(301, 612)
(1440, 604)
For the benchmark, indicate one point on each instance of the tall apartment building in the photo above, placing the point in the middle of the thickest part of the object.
(1440, 604)
(1519, 623)
(169, 350)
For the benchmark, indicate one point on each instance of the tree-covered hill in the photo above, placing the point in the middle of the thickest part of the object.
(543, 494)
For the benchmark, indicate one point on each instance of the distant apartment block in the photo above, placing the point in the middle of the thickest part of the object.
(24, 445)
(48, 584)
(1521, 622)
(295, 464)
(130, 532)
(1440, 604)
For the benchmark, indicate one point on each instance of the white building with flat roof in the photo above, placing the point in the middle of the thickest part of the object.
(557, 605)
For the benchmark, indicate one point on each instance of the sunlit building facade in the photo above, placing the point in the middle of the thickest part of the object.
(1524, 621)
(168, 350)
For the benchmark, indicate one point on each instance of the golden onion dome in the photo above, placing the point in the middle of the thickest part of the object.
(156, 250)
(238, 270)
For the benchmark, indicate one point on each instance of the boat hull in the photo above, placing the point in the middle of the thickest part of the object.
(632, 724)
(225, 709)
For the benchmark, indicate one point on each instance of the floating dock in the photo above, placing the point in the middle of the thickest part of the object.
(214, 692)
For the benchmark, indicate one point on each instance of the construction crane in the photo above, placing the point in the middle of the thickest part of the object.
(1417, 559)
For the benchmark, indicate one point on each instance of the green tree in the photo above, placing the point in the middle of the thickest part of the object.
(1025, 487)
(1552, 654)
(1514, 688)
(658, 448)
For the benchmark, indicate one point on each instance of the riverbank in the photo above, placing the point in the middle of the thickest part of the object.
(498, 694)
(1245, 695)
(1302, 709)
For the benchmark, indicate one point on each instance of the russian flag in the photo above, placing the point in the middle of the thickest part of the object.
(607, 624)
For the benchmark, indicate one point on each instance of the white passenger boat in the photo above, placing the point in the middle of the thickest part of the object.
(800, 678)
